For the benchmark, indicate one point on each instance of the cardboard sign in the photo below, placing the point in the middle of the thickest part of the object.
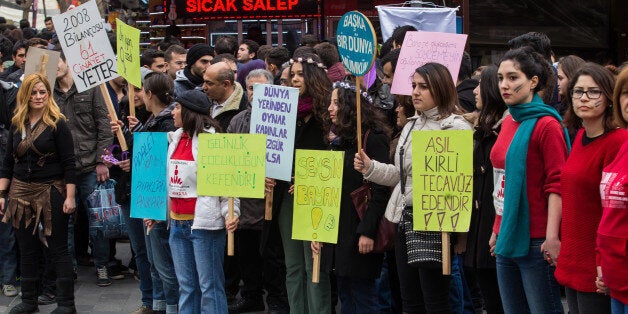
(84, 41)
(149, 195)
(442, 180)
(34, 64)
(128, 42)
(317, 194)
(274, 113)
(420, 48)
(231, 165)
(357, 42)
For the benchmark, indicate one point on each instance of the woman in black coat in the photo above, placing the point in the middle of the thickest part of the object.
(356, 266)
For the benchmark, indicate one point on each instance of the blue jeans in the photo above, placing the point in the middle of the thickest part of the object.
(86, 182)
(198, 257)
(459, 293)
(135, 229)
(159, 298)
(357, 295)
(617, 307)
(527, 284)
(162, 259)
(8, 253)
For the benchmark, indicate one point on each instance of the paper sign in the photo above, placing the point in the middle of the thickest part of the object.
(84, 41)
(34, 62)
(317, 194)
(420, 48)
(149, 195)
(128, 42)
(274, 113)
(357, 42)
(231, 165)
(442, 180)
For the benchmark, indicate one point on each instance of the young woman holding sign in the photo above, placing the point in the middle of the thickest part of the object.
(423, 286)
(197, 223)
(525, 233)
(40, 168)
(307, 73)
(356, 266)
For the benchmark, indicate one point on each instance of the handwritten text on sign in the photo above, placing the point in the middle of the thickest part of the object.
(317, 194)
(442, 180)
(420, 48)
(128, 42)
(356, 42)
(231, 165)
(84, 41)
(274, 113)
(149, 195)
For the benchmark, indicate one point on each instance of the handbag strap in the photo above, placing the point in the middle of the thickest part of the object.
(402, 176)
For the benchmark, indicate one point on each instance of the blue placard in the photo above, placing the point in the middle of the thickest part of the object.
(149, 195)
(357, 42)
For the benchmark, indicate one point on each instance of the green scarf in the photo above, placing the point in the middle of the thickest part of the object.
(514, 233)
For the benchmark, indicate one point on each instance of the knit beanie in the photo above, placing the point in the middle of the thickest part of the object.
(194, 100)
(196, 52)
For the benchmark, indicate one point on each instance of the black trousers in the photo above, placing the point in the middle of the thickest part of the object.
(31, 252)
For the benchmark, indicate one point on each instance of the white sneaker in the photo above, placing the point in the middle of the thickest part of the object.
(9, 290)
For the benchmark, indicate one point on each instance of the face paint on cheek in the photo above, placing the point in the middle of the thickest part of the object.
(518, 88)
(597, 104)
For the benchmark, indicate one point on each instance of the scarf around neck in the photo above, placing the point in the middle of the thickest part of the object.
(305, 106)
(514, 234)
(197, 81)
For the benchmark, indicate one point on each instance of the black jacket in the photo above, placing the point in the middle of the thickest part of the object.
(465, 94)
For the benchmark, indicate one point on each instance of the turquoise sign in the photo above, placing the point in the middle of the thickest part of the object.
(357, 42)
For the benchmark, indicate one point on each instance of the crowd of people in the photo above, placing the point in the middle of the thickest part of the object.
(549, 216)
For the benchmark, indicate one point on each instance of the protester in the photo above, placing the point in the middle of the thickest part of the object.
(40, 168)
(18, 54)
(175, 56)
(226, 95)
(197, 223)
(478, 261)
(528, 210)
(197, 60)
(567, 67)
(612, 234)
(154, 60)
(275, 60)
(247, 51)
(435, 100)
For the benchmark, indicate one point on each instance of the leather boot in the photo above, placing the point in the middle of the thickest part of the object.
(65, 296)
(29, 297)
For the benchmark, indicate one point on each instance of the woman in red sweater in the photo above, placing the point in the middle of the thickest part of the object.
(612, 233)
(595, 147)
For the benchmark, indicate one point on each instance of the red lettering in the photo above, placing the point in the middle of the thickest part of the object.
(247, 5)
(281, 5)
(194, 6)
(292, 3)
(231, 6)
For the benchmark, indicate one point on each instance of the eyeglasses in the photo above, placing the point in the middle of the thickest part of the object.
(591, 94)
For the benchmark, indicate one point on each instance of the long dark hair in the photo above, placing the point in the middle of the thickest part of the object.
(606, 81)
(196, 123)
(532, 64)
(442, 88)
(346, 124)
(317, 84)
(493, 105)
(160, 85)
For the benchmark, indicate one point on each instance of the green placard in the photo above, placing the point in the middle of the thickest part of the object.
(442, 180)
(317, 194)
(231, 165)
(128, 42)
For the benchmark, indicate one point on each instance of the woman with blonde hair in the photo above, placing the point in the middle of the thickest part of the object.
(40, 168)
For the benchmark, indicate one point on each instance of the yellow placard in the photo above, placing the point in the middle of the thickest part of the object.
(231, 165)
(128, 42)
(442, 180)
(317, 194)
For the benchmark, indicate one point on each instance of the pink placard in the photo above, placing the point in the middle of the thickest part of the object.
(420, 48)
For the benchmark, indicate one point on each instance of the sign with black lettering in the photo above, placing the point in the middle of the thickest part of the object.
(84, 41)
(241, 9)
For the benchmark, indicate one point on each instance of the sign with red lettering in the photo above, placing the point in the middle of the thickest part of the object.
(240, 9)
(87, 50)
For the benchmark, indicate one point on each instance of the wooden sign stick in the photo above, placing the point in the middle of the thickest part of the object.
(358, 107)
(446, 253)
(113, 116)
(316, 264)
(131, 93)
(230, 239)
(268, 214)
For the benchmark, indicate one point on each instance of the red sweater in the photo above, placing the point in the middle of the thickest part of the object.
(582, 208)
(612, 233)
(547, 153)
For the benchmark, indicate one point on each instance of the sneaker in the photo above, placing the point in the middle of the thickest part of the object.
(115, 272)
(46, 298)
(143, 309)
(102, 278)
(9, 290)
